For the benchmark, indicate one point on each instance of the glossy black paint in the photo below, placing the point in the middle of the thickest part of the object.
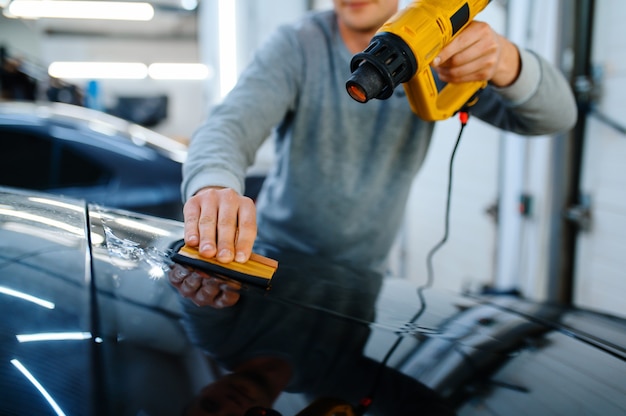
(140, 348)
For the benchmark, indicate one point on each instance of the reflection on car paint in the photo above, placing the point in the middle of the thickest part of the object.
(30, 377)
(310, 335)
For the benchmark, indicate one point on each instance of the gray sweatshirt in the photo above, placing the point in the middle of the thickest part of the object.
(343, 169)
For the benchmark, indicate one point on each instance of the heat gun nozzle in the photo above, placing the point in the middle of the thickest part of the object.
(365, 83)
(386, 63)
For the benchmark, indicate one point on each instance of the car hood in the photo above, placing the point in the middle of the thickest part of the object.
(93, 326)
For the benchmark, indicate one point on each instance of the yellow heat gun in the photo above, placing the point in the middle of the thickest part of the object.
(401, 52)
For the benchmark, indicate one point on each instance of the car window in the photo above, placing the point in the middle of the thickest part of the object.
(26, 160)
(77, 169)
(33, 161)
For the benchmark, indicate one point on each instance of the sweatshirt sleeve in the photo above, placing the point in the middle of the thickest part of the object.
(225, 145)
(539, 102)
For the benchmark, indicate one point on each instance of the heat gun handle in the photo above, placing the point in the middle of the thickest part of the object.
(433, 104)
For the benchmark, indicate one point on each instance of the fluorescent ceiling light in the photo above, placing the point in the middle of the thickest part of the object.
(58, 9)
(128, 70)
(98, 70)
(178, 71)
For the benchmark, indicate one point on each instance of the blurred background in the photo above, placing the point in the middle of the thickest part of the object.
(544, 217)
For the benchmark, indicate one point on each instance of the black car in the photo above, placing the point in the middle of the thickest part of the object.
(98, 318)
(75, 151)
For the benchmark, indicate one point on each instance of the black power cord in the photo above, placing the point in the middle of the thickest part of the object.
(464, 117)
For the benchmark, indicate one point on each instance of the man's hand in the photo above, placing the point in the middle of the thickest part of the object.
(203, 289)
(478, 54)
(221, 223)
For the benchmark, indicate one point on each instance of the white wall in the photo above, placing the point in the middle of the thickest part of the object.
(600, 281)
(255, 20)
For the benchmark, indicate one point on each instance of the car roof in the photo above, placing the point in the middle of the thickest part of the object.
(22, 112)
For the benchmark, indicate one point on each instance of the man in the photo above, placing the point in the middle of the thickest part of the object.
(344, 169)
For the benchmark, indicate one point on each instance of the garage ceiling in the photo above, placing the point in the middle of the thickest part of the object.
(171, 20)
